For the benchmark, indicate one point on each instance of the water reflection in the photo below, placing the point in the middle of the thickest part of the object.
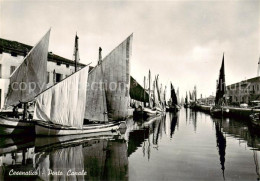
(179, 146)
(221, 145)
(101, 157)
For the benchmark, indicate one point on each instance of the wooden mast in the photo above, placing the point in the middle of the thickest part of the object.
(76, 53)
(149, 89)
(144, 91)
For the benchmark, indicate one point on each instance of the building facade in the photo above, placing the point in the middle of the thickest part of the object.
(12, 54)
(208, 100)
(244, 91)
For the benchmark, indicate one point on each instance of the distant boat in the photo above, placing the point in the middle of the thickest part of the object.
(141, 98)
(158, 98)
(173, 103)
(193, 98)
(28, 80)
(61, 109)
(218, 109)
(186, 104)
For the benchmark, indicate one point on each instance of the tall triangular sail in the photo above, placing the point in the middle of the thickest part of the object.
(173, 96)
(64, 103)
(137, 92)
(157, 93)
(96, 105)
(221, 85)
(117, 79)
(29, 79)
(186, 98)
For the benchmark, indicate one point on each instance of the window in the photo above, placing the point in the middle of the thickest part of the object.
(13, 54)
(12, 68)
(58, 77)
(58, 63)
(67, 65)
(0, 70)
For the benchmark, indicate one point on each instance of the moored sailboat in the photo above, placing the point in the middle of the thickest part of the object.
(61, 109)
(220, 100)
(141, 98)
(28, 80)
(173, 103)
(186, 104)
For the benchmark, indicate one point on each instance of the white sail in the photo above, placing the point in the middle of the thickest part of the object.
(64, 103)
(29, 79)
(157, 94)
(117, 79)
(96, 105)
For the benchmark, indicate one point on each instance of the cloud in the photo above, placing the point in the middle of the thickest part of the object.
(181, 41)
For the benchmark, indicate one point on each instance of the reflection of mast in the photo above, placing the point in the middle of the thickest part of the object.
(195, 121)
(149, 146)
(256, 164)
(173, 125)
(221, 144)
(156, 133)
(255, 156)
(186, 113)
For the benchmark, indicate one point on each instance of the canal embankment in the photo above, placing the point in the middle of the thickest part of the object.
(233, 111)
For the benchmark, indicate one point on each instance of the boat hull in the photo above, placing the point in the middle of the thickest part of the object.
(219, 111)
(186, 106)
(49, 129)
(15, 126)
(173, 109)
(145, 113)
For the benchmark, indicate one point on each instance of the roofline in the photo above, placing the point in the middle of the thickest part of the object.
(257, 77)
(26, 48)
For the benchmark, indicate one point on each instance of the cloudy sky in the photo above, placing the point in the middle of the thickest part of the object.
(182, 41)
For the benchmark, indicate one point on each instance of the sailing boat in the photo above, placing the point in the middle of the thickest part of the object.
(193, 98)
(61, 109)
(28, 80)
(220, 101)
(140, 95)
(186, 104)
(173, 103)
(159, 106)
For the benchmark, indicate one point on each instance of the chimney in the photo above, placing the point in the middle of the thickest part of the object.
(100, 55)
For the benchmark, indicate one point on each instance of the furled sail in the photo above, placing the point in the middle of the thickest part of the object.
(29, 79)
(149, 90)
(221, 86)
(117, 79)
(157, 94)
(191, 96)
(96, 105)
(186, 98)
(64, 103)
(137, 92)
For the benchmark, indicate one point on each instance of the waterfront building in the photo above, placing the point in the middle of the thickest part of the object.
(12, 54)
(244, 91)
(207, 100)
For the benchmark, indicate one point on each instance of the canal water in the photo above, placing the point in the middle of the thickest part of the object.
(185, 146)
